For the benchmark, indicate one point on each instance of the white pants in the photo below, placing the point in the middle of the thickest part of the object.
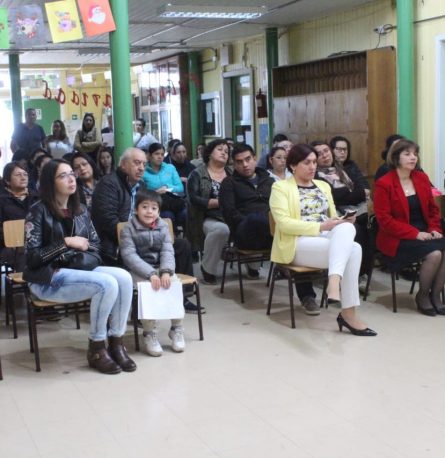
(216, 236)
(336, 251)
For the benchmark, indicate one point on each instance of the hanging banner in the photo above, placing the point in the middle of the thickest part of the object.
(96, 16)
(4, 29)
(27, 26)
(64, 22)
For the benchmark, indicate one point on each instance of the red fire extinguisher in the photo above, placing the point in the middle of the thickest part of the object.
(261, 105)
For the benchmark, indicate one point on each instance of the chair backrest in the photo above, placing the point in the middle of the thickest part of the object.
(170, 227)
(14, 233)
(119, 228)
(271, 224)
(440, 202)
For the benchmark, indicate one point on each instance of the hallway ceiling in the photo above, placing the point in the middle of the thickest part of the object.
(152, 37)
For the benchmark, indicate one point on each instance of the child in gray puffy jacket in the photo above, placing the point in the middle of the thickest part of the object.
(147, 250)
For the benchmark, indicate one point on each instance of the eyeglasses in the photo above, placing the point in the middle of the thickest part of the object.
(339, 148)
(66, 175)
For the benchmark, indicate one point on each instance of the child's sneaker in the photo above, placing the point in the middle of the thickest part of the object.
(152, 345)
(177, 337)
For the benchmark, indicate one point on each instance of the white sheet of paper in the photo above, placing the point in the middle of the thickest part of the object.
(108, 139)
(164, 304)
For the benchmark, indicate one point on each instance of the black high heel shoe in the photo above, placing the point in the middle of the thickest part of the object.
(357, 332)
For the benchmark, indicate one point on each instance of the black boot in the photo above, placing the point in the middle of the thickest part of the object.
(118, 352)
(99, 358)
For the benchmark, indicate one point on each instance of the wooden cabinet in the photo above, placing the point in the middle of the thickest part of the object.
(353, 95)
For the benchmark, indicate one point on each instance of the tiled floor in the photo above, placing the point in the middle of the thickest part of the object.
(253, 388)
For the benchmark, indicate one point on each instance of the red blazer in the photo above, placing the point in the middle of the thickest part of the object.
(392, 210)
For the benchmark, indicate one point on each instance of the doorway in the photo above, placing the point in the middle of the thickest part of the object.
(439, 176)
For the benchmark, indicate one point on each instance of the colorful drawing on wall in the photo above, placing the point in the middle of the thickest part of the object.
(63, 20)
(4, 29)
(96, 16)
(27, 26)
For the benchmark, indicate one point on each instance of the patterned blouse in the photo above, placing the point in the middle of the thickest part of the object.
(314, 204)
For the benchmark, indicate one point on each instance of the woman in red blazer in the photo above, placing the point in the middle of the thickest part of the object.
(409, 224)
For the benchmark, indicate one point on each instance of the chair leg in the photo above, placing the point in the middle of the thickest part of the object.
(223, 279)
(1, 372)
(134, 316)
(291, 302)
(271, 288)
(393, 288)
(10, 306)
(240, 279)
(198, 303)
(32, 318)
(269, 275)
(31, 341)
(324, 294)
(77, 316)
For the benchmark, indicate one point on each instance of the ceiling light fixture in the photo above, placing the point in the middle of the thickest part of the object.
(211, 12)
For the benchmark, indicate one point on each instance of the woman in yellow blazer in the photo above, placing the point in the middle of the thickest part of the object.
(309, 233)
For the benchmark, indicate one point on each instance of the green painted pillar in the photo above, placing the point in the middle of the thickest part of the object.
(405, 68)
(120, 77)
(16, 88)
(194, 98)
(271, 62)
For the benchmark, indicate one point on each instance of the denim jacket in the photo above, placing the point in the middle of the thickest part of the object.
(44, 241)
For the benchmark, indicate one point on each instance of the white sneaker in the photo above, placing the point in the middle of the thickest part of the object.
(177, 337)
(152, 345)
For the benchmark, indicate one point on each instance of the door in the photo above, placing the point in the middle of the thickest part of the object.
(242, 116)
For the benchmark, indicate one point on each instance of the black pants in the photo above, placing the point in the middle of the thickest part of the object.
(253, 232)
(183, 256)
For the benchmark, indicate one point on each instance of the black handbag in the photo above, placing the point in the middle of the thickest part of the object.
(78, 260)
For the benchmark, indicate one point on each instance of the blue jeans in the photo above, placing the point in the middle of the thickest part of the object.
(109, 288)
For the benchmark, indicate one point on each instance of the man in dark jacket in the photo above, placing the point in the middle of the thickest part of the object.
(244, 200)
(113, 202)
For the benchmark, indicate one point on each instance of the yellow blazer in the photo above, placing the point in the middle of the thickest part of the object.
(285, 207)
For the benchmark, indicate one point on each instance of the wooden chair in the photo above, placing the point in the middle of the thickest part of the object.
(413, 268)
(14, 235)
(294, 275)
(233, 254)
(186, 280)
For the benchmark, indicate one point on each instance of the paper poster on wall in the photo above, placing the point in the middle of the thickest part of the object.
(63, 20)
(27, 26)
(96, 16)
(249, 137)
(4, 29)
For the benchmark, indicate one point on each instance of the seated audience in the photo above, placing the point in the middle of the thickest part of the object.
(278, 140)
(309, 233)
(63, 265)
(58, 143)
(206, 228)
(87, 176)
(348, 195)
(15, 201)
(113, 202)
(34, 178)
(179, 159)
(277, 164)
(341, 147)
(164, 179)
(384, 168)
(147, 251)
(244, 201)
(409, 224)
(198, 155)
(88, 140)
(105, 161)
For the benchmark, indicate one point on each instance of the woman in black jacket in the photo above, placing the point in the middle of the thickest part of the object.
(63, 265)
(15, 201)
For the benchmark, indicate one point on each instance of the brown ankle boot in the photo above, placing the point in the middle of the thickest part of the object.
(99, 358)
(118, 352)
